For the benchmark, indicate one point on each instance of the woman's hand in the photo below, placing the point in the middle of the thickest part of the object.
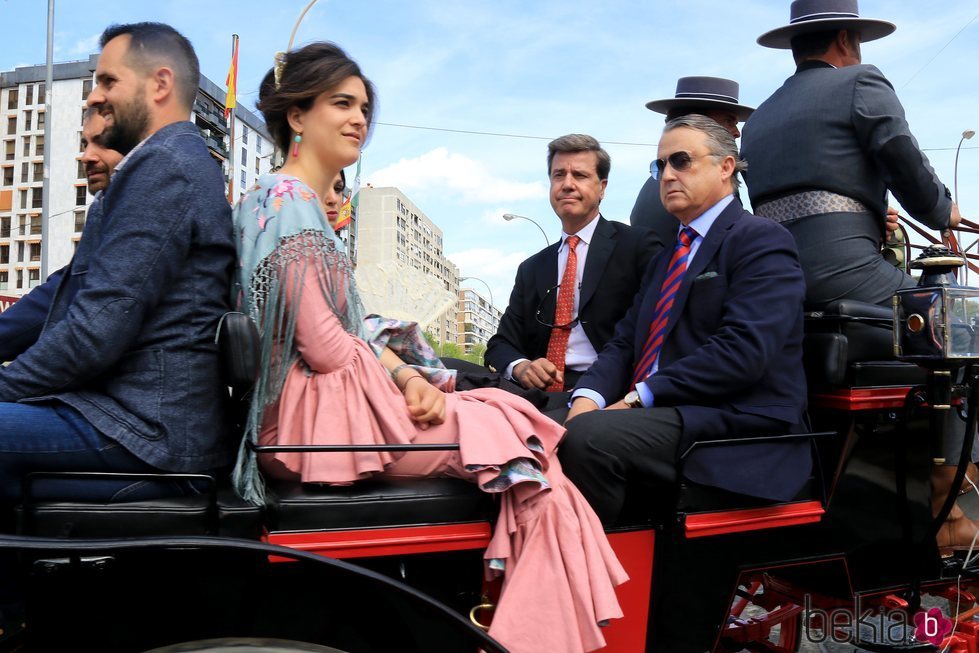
(425, 402)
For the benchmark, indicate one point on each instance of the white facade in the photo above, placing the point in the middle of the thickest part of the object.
(477, 319)
(401, 268)
(22, 116)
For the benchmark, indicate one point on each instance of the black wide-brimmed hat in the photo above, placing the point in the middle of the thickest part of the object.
(704, 93)
(807, 16)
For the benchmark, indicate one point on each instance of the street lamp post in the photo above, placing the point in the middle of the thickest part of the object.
(966, 135)
(492, 303)
(511, 216)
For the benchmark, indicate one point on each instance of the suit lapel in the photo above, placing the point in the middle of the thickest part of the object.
(545, 276)
(599, 253)
(705, 254)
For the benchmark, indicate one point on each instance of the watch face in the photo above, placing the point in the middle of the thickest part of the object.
(632, 399)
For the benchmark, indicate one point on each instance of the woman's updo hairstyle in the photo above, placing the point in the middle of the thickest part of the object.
(306, 74)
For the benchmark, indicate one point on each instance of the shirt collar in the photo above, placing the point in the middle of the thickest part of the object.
(585, 233)
(703, 222)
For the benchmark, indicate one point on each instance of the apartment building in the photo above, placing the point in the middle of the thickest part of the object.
(401, 266)
(22, 120)
(477, 319)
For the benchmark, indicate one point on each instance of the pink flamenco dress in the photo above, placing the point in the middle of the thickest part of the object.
(559, 572)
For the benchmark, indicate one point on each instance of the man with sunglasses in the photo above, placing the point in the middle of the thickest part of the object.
(711, 348)
(714, 97)
(561, 314)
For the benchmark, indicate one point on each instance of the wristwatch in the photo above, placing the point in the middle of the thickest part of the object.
(633, 400)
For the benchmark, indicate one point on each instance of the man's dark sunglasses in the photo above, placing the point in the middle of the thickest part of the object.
(679, 161)
(543, 304)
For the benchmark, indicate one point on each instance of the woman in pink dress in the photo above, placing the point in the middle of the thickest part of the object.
(332, 376)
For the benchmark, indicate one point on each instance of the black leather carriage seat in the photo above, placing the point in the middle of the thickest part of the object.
(376, 504)
(229, 516)
(849, 344)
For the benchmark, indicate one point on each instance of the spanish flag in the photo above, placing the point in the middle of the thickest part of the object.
(349, 209)
(232, 81)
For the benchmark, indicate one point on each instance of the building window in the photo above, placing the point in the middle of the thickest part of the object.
(35, 251)
(23, 198)
(36, 198)
(81, 143)
(79, 196)
(81, 170)
(36, 226)
(39, 146)
(24, 167)
(79, 221)
(8, 176)
(28, 117)
(27, 146)
(244, 136)
(257, 163)
(34, 274)
(40, 93)
(4, 254)
(12, 99)
(5, 227)
(244, 157)
(86, 89)
(258, 144)
(9, 150)
(12, 125)
(20, 278)
(40, 120)
(3, 280)
(244, 179)
(20, 256)
(38, 171)
(30, 95)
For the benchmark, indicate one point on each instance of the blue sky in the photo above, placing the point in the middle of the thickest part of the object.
(541, 68)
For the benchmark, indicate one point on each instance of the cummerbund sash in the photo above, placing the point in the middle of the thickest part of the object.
(810, 202)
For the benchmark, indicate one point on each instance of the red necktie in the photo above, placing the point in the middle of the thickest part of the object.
(661, 315)
(557, 346)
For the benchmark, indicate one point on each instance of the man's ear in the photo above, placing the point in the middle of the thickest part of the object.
(727, 167)
(162, 84)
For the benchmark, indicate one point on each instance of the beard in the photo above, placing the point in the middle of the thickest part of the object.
(129, 124)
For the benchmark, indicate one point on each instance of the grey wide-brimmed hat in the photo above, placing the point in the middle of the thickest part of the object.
(704, 93)
(807, 16)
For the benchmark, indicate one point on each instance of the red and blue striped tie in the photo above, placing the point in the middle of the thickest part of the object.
(661, 315)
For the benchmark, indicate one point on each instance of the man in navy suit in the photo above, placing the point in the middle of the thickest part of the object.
(536, 345)
(710, 349)
(21, 324)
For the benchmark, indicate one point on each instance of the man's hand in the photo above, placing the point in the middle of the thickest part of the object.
(955, 218)
(580, 405)
(619, 405)
(425, 402)
(890, 220)
(537, 374)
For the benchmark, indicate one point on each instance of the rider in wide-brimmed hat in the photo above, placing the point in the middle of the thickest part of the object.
(823, 151)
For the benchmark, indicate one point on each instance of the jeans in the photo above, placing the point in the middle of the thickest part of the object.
(55, 437)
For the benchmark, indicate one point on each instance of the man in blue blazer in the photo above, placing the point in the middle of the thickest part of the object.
(124, 375)
(710, 349)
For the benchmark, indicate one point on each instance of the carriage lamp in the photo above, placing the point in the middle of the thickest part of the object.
(935, 323)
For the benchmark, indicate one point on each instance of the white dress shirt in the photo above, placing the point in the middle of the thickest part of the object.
(580, 353)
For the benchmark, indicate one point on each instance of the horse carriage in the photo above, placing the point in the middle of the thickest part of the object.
(390, 566)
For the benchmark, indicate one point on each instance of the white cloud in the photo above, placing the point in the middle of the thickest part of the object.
(444, 171)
